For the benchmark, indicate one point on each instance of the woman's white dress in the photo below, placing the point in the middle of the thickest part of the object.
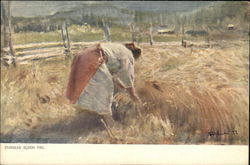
(98, 94)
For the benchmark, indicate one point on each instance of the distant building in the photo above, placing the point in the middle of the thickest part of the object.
(230, 27)
(165, 31)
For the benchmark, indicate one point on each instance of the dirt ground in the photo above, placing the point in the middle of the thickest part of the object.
(193, 95)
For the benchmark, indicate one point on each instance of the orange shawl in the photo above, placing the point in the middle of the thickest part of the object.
(83, 68)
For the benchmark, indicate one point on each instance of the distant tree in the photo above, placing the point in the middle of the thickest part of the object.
(133, 32)
(106, 30)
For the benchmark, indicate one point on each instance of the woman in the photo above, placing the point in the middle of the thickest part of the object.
(94, 73)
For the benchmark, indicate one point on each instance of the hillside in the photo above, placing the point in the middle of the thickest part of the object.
(19, 8)
(222, 14)
(116, 13)
(195, 16)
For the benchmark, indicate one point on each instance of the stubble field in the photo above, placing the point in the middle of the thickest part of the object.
(194, 95)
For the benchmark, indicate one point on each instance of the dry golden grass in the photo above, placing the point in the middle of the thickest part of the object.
(199, 90)
(186, 94)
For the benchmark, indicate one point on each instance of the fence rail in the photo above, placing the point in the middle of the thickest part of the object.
(38, 51)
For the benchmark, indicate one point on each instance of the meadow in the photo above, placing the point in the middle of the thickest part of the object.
(85, 33)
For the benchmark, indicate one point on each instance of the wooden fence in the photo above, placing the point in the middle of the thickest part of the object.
(37, 51)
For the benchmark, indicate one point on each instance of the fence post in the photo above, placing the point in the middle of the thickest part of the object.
(66, 40)
(151, 34)
(7, 51)
(183, 42)
(208, 37)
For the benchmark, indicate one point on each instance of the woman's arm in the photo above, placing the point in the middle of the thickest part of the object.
(133, 95)
(129, 89)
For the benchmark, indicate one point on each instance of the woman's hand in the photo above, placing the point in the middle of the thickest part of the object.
(133, 95)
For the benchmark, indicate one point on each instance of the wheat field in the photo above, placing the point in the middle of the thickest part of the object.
(194, 95)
